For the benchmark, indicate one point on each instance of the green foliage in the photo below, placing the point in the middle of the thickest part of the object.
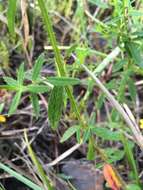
(91, 149)
(107, 134)
(130, 157)
(11, 12)
(55, 106)
(68, 133)
(39, 167)
(15, 103)
(133, 187)
(63, 81)
(37, 68)
(35, 103)
(121, 27)
(19, 177)
(134, 52)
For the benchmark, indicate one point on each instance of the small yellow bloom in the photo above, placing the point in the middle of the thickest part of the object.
(141, 123)
(2, 119)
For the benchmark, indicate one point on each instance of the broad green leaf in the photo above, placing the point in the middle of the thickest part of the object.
(107, 134)
(63, 81)
(37, 88)
(134, 52)
(55, 106)
(21, 74)
(14, 103)
(8, 87)
(35, 103)
(11, 12)
(10, 81)
(37, 67)
(68, 133)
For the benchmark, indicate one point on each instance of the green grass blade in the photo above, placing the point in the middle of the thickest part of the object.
(41, 172)
(52, 37)
(20, 177)
(11, 12)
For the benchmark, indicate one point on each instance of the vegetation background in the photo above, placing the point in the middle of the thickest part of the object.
(71, 94)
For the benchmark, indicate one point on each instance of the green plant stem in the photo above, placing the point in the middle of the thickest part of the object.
(58, 57)
(38, 165)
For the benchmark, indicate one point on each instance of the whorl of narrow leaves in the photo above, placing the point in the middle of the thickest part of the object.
(55, 106)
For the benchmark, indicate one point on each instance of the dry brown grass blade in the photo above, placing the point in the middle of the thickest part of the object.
(25, 21)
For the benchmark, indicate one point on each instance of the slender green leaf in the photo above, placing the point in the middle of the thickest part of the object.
(35, 104)
(91, 149)
(63, 81)
(15, 103)
(10, 81)
(52, 37)
(20, 177)
(8, 87)
(37, 67)
(99, 3)
(55, 106)
(68, 133)
(107, 134)
(37, 88)
(21, 74)
(1, 107)
(132, 89)
(11, 12)
(130, 157)
(36, 162)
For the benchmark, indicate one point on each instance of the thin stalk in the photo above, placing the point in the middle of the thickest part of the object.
(59, 60)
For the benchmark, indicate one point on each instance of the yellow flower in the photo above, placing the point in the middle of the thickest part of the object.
(2, 119)
(141, 123)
